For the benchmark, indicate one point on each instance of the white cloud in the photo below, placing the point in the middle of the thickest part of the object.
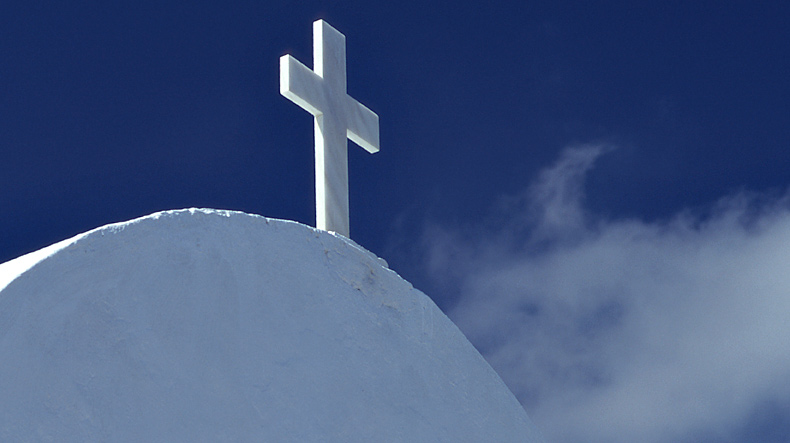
(623, 330)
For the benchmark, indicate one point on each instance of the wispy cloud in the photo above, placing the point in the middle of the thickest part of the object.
(624, 330)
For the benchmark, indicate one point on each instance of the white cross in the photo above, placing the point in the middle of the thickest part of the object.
(337, 117)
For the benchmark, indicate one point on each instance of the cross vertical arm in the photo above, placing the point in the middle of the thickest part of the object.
(329, 56)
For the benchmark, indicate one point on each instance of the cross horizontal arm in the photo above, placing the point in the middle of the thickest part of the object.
(363, 125)
(301, 85)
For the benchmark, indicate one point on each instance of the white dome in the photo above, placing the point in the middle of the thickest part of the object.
(204, 325)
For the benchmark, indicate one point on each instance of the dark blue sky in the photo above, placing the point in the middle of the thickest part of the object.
(111, 112)
(114, 110)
